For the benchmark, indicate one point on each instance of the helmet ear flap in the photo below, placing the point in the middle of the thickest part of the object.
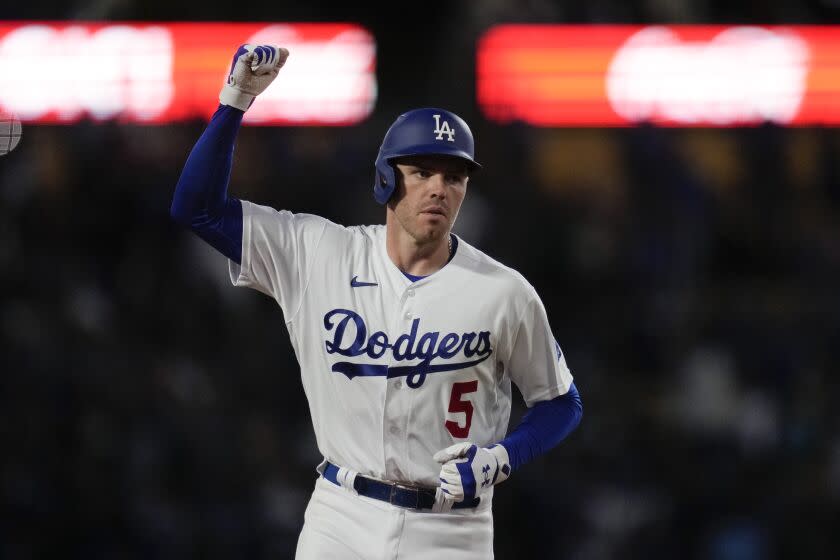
(385, 181)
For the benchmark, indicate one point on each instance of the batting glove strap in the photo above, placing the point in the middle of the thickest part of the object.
(235, 98)
(252, 70)
(502, 460)
(468, 470)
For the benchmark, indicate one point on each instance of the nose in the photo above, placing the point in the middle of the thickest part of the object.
(438, 185)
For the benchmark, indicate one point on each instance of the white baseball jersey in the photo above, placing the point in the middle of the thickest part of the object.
(395, 370)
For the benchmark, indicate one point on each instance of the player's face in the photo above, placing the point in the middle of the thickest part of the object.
(429, 193)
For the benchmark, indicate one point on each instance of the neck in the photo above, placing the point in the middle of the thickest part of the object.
(412, 256)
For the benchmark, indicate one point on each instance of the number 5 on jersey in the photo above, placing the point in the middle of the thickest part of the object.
(458, 403)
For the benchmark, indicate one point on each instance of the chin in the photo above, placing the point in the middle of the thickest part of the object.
(431, 234)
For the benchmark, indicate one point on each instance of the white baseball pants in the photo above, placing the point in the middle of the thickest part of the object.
(341, 525)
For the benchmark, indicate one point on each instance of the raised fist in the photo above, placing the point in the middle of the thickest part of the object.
(252, 70)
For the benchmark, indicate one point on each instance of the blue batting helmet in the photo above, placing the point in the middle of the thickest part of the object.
(426, 131)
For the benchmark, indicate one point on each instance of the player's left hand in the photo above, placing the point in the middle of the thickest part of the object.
(468, 470)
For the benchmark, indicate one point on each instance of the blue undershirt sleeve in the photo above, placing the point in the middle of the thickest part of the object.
(201, 201)
(543, 427)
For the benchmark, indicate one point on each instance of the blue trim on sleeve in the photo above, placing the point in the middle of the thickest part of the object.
(201, 201)
(543, 427)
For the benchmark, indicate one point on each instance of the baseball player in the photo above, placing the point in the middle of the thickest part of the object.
(408, 337)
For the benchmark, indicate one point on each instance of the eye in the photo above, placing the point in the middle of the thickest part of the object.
(425, 173)
(455, 178)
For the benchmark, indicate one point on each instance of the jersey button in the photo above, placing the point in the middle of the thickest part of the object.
(394, 430)
(398, 384)
(408, 315)
(410, 293)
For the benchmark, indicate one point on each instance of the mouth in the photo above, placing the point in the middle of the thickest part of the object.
(434, 210)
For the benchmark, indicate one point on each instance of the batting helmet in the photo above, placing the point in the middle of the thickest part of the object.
(426, 131)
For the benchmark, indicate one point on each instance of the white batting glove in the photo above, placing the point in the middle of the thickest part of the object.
(254, 67)
(468, 470)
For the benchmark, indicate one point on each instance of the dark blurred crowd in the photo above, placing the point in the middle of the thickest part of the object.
(150, 410)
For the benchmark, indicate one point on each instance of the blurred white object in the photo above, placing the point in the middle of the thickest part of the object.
(10, 132)
(744, 74)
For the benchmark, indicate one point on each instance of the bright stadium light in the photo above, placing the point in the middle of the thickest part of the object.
(741, 75)
(674, 75)
(164, 72)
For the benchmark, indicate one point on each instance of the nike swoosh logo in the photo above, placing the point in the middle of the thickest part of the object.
(354, 283)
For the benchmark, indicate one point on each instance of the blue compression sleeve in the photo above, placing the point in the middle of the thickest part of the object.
(200, 200)
(543, 427)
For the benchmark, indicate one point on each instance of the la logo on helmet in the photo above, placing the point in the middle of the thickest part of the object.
(445, 129)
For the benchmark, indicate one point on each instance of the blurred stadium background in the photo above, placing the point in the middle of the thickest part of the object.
(149, 410)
